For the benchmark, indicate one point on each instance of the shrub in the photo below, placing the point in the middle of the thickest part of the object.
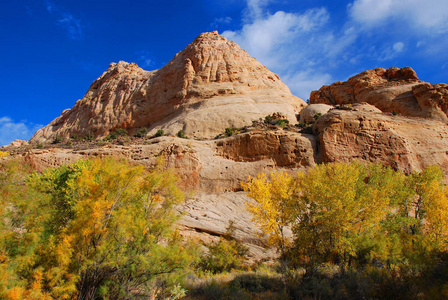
(75, 137)
(257, 283)
(231, 131)
(269, 120)
(223, 256)
(317, 116)
(181, 134)
(3, 154)
(283, 122)
(159, 132)
(141, 133)
(121, 132)
(226, 255)
(111, 136)
(89, 136)
(57, 140)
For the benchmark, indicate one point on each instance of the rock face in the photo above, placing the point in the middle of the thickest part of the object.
(390, 90)
(210, 85)
(309, 113)
(366, 134)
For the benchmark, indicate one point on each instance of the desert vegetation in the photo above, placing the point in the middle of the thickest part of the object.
(103, 229)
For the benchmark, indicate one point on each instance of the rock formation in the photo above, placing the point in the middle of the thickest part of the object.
(364, 133)
(380, 115)
(391, 90)
(210, 85)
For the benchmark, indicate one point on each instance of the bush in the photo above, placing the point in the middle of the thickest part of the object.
(159, 132)
(231, 131)
(121, 132)
(111, 136)
(141, 133)
(269, 120)
(75, 137)
(283, 122)
(226, 255)
(89, 136)
(317, 116)
(57, 140)
(181, 134)
(257, 283)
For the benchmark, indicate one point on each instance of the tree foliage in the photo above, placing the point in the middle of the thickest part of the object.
(272, 205)
(94, 228)
(353, 213)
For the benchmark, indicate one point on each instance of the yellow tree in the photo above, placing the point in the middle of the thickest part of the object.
(427, 213)
(271, 210)
(100, 228)
(342, 210)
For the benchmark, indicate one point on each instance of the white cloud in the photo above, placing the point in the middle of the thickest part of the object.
(66, 20)
(294, 45)
(144, 59)
(256, 8)
(398, 46)
(303, 83)
(72, 25)
(11, 130)
(428, 14)
(309, 48)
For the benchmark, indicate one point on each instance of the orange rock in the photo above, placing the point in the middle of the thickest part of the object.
(391, 90)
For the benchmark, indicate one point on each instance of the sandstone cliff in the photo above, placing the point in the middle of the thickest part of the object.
(364, 133)
(391, 90)
(210, 85)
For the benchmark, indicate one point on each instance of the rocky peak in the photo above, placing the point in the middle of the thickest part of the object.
(210, 85)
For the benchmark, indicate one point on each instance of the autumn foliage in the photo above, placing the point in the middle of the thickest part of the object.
(95, 228)
(353, 214)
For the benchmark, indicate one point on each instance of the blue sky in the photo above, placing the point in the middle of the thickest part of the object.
(52, 50)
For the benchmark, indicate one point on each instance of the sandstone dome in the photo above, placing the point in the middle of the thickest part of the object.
(211, 85)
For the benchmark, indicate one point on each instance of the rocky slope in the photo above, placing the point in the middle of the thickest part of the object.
(210, 85)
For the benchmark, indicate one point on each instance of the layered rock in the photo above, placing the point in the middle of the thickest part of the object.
(210, 85)
(391, 90)
(366, 134)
